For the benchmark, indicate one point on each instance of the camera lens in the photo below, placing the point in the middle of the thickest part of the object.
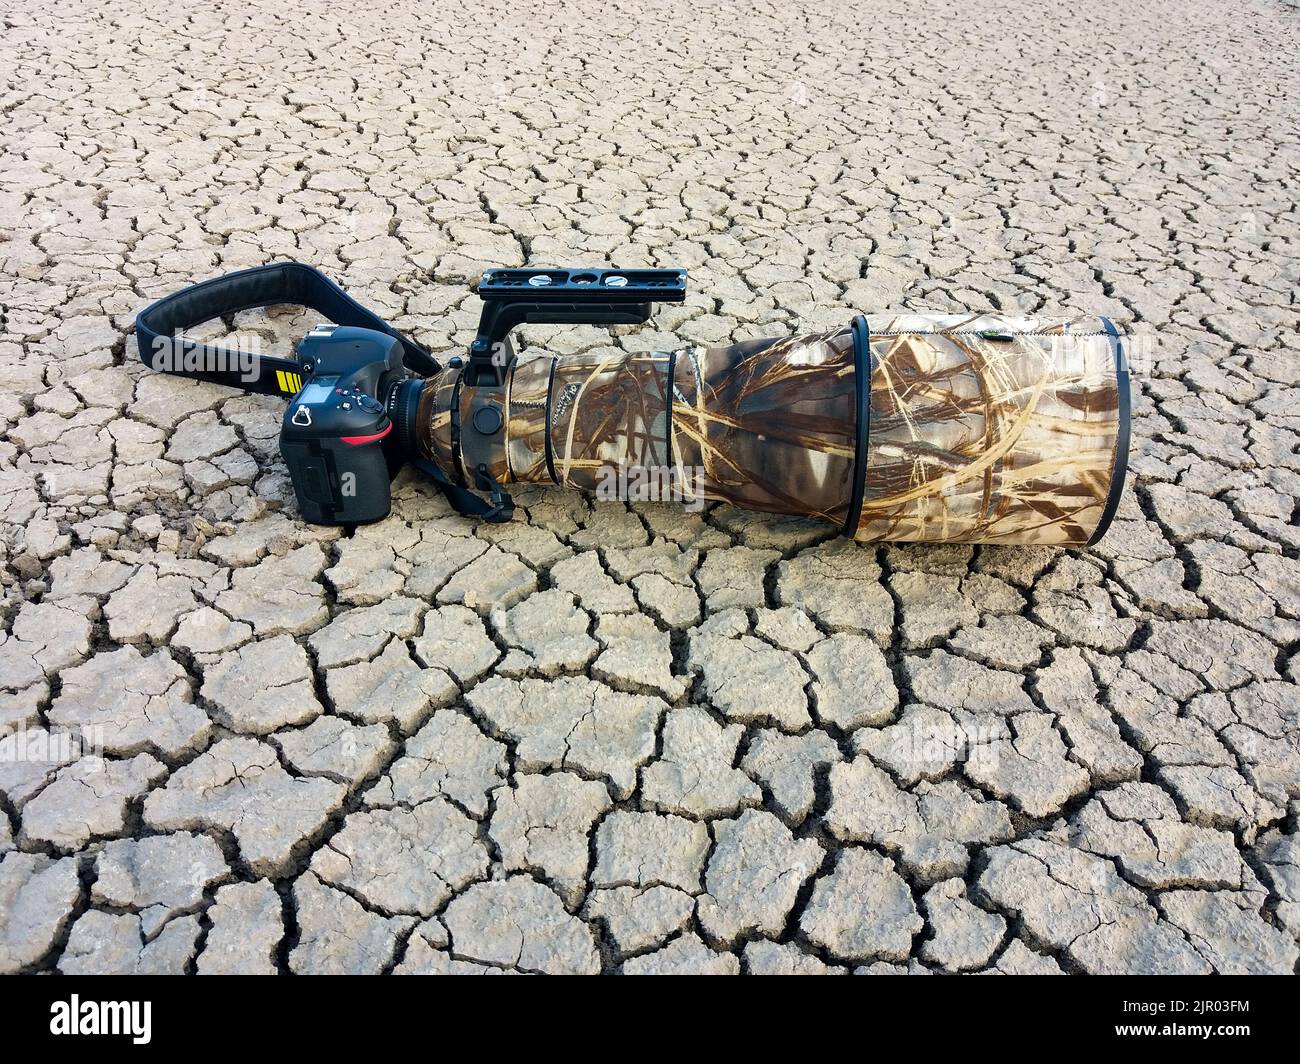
(403, 406)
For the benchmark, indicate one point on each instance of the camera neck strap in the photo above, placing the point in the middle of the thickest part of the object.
(163, 346)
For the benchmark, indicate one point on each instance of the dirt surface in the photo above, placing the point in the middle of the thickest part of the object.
(639, 739)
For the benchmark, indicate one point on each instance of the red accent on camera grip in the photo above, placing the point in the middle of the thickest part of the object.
(357, 440)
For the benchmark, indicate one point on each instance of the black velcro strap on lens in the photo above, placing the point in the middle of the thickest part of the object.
(861, 331)
(550, 449)
(1120, 467)
(159, 327)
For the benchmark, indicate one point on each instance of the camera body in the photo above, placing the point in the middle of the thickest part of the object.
(349, 430)
(375, 399)
(336, 436)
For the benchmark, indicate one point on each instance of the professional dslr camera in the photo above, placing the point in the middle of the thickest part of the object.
(952, 428)
(358, 419)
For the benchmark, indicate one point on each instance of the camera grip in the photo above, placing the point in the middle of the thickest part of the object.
(338, 482)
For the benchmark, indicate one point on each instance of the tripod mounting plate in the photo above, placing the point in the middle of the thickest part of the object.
(560, 297)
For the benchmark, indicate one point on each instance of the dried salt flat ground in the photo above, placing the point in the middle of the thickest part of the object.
(637, 739)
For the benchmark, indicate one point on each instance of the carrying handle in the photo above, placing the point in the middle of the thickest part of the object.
(560, 297)
(162, 346)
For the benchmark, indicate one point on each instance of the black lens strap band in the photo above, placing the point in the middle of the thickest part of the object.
(550, 448)
(457, 459)
(1120, 468)
(162, 345)
(861, 335)
(669, 384)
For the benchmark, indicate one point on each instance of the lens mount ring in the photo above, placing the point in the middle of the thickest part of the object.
(403, 407)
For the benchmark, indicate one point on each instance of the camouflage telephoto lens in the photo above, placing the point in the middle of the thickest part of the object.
(922, 428)
(985, 430)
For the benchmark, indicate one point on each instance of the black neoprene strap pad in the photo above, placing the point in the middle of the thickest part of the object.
(159, 327)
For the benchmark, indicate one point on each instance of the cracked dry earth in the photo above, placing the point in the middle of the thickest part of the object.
(613, 738)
